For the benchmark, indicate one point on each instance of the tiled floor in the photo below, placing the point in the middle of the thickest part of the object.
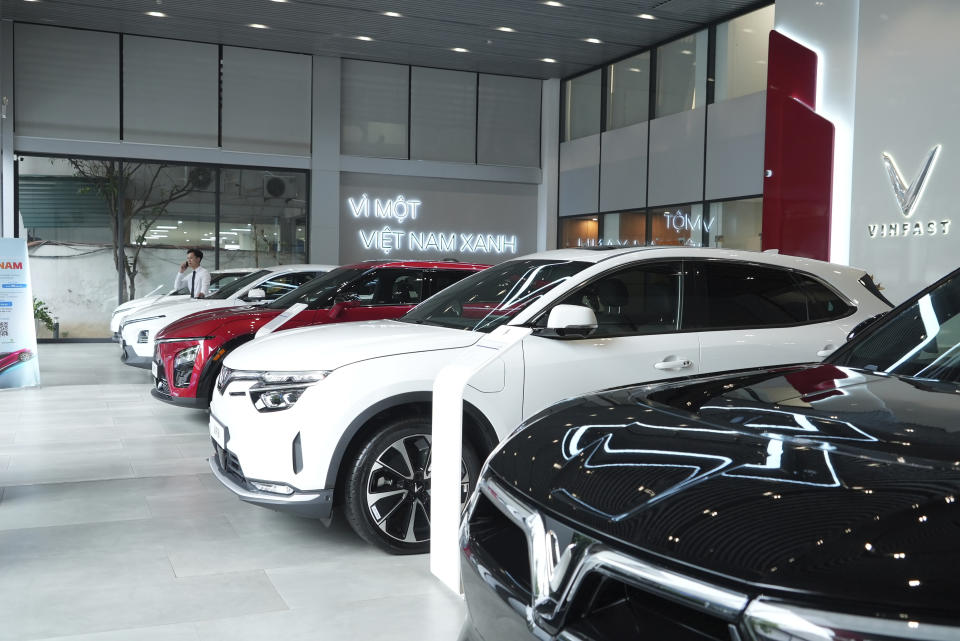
(112, 528)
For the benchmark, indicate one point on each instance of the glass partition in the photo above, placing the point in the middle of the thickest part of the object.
(628, 91)
(737, 224)
(741, 58)
(579, 232)
(679, 225)
(682, 75)
(582, 105)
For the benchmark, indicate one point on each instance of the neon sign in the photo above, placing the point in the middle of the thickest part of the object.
(681, 222)
(401, 209)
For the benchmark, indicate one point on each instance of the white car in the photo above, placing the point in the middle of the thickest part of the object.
(218, 279)
(262, 286)
(308, 417)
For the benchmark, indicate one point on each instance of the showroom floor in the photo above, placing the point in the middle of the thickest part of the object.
(112, 528)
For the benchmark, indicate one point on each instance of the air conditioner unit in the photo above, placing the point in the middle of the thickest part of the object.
(286, 187)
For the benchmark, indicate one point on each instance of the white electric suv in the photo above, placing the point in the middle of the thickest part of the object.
(341, 413)
(138, 330)
(218, 280)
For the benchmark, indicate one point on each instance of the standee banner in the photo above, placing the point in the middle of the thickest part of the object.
(18, 335)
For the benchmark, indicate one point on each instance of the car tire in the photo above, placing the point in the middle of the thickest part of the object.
(387, 489)
(26, 356)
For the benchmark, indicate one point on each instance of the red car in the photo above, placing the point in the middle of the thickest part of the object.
(9, 359)
(189, 351)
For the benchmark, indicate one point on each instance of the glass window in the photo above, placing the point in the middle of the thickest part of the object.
(263, 217)
(579, 232)
(736, 224)
(682, 75)
(681, 225)
(628, 91)
(276, 287)
(374, 103)
(627, 228)
(582, 105)
(822, 302)
(229, 290)
(741, 58)
(490, 298)
(320, 291)
(636, 301)
(444, 278)
(388, 287)
(921, 341)
(508, 121)
(724, 295)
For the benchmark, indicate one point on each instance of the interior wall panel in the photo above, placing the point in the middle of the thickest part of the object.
(266, 101)
(735, 147)
(579, 176)
(623, 168)
(66, 83)
(676, 158)
(170, 91)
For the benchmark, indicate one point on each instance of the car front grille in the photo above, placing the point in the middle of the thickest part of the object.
(579, 585)
(229, 464)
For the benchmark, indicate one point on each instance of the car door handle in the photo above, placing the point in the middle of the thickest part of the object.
(828, 349)
(678, 364)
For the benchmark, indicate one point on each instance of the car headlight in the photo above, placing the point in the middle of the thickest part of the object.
(276, 391)
(769, 621)
(183, 366)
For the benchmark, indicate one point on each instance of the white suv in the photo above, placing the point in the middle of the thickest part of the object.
(308, 417)
(139, 329)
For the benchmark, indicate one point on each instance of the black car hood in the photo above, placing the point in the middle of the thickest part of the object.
(834, 483)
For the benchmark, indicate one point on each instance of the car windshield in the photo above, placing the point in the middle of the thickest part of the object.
(219, 281)
(239, 284)
(320, 291)
(492, 297)
(921, 341)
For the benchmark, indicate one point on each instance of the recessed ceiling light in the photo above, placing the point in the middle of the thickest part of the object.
(635, 69)
(392, 14)
(365, 38)
(279, 0)
(646, 16)
(747, 30)
(506, 29)
(155, 14)
(460, 50)
(593, 41)
(547, 60)
(687, 52)
(553, 3)
(257, 25)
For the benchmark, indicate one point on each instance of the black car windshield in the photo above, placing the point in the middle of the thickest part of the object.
(320, 291)
(238, 285)
(920, 341)
(492, 297)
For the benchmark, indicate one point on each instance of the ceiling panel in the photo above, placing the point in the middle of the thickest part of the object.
(425, 34)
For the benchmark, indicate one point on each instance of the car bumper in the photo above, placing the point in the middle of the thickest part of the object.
(180, 401)
(130, 357)
(316, 504)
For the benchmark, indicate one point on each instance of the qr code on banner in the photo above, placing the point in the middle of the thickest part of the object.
(4, 328)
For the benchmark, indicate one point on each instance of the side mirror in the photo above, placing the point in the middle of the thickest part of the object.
(862, 325)
(569, 321)
(256, 294)
(340, 304)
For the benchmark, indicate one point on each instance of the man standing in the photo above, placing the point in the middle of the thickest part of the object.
(198, 281)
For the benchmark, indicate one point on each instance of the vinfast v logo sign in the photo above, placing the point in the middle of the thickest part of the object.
(401, 209)
(908, 197)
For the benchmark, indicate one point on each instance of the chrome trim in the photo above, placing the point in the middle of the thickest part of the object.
(183, 340)
(557, 575)
(805, 624)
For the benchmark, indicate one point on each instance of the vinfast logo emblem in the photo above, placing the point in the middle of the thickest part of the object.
(908, 196)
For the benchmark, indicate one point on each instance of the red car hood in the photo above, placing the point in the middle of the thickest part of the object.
(205, 323)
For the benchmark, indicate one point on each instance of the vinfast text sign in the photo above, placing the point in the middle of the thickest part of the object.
(18, 337)
(393, 237)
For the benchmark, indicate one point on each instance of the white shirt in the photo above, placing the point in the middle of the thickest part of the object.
(196, 282)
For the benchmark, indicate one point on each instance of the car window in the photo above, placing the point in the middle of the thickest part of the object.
(822, 303)
(238, 285)
(721, 295)
(388, 287)
(219, 281)
(443, 278)
(642, 299)
(277, 286)
(922, 341)
(490, 298)
(320, 291)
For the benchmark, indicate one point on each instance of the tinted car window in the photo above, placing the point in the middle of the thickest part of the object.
(640, 300)
(922, 341)
(320, 291)
(441, 279)
(237, 285)
(280, 285)
(822, 303)
(726, 295)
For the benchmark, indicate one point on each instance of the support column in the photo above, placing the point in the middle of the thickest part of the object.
(7, 210)
(547, 193)
(324, 224)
